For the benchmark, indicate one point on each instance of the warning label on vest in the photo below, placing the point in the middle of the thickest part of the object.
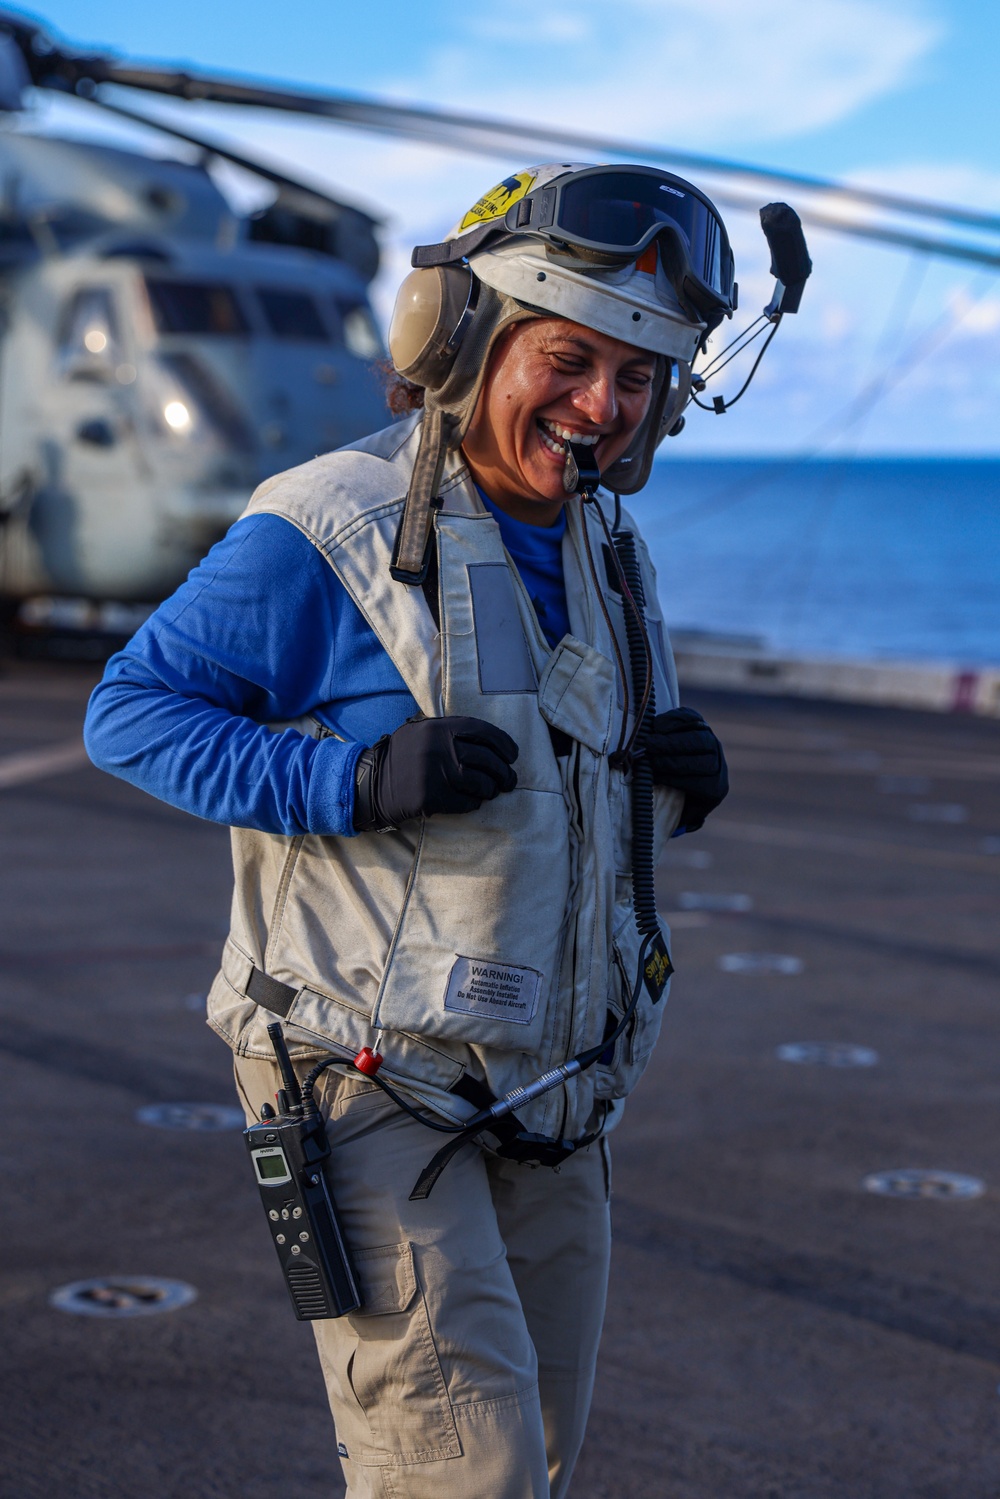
(497, 991)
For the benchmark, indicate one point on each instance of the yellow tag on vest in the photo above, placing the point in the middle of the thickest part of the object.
(657, 968)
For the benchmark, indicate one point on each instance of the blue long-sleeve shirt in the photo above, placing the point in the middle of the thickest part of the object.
(264, 633)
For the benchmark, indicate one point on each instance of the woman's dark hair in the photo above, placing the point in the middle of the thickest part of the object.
(401, 395)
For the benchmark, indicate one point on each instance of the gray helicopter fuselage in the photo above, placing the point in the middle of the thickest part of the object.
(149, 381)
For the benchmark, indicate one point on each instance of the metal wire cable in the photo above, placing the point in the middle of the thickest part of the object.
(753, 370)
(742, 339)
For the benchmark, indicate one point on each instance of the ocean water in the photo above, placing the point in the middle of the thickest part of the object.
(880, 558)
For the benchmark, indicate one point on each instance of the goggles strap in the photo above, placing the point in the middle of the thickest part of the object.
(452, 250)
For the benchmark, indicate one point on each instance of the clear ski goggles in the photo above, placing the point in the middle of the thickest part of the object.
(610, 216)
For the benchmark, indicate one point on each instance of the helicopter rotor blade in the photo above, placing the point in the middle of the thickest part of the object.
(317, 199)
(880, 234)
(883, 234)
(52, 66)
(483, 133)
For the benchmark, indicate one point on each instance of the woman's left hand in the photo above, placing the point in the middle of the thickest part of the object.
(685, 755)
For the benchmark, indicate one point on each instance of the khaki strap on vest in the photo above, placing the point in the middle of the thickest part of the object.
(410, 553)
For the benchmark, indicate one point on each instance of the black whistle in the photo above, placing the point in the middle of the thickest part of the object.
(581, 474)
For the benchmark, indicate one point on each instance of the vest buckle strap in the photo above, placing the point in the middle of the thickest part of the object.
(271, 994)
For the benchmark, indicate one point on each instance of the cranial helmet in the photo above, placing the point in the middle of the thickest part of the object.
(630, 251)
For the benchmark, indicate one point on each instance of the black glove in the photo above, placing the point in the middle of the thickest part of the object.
(685, 754)
(431, 765)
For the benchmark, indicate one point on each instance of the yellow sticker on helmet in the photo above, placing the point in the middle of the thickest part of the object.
(495, 203)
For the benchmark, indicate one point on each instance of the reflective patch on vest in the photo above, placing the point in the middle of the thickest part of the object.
(660, 656)
(497, 991)
(616, 609)
(505, 664)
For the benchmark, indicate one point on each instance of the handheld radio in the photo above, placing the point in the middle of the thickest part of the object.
(288, 1149)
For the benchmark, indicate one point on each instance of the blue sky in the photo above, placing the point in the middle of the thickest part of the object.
(897, 93)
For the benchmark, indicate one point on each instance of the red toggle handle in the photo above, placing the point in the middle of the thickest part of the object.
(368, 1061)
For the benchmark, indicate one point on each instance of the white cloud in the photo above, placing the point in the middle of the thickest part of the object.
(975, 318)
(836, 321)
(691, 72)
(935, 181)
(557, 24)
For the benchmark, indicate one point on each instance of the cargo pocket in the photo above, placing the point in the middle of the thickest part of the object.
(622, 1065)
(469, 962)
(395, 1372)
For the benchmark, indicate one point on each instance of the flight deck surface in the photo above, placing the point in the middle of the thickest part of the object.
(775, 1330)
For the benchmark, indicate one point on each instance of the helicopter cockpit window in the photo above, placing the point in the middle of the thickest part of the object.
(360, 334)
(195, 307)
(89, 338)
(292, 314)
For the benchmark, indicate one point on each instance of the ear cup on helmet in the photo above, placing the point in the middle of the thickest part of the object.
(434, 307)
(677, 399)
(630, 472)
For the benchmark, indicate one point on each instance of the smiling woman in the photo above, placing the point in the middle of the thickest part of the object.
(433, 863)
(635, 261)
(549, 383)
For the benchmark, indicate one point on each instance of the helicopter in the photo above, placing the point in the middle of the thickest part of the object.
(161, 354)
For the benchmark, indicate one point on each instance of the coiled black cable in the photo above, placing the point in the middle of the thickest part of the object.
(643, 822)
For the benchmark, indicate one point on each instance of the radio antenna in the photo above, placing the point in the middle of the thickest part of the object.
(288, 1078)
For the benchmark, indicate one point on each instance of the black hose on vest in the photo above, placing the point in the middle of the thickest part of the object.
(654, 955)
(643, 892)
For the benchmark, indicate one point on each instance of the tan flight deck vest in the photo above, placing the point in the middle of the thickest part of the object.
(491, 943)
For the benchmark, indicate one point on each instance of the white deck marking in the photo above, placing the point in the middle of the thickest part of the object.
(47, 760)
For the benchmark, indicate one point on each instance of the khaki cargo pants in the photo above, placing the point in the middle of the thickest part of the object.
(468, 1372)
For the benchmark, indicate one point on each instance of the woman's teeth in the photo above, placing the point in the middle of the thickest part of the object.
(555, 437)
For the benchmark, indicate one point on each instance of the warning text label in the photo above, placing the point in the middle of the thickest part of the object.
(498, 991)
